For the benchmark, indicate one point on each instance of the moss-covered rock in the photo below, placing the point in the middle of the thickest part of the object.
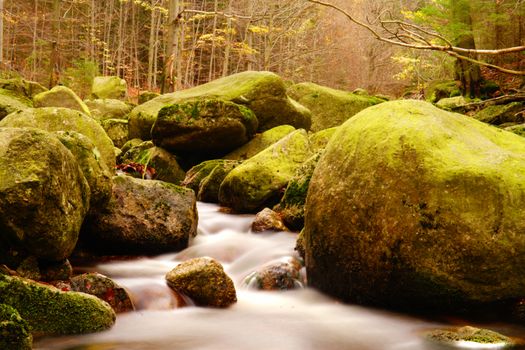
(262, 92)
(43, 195)
(130, 144)
(268, 220)
(330, 107)
(103, 288)
(117, 131)
(452, 103)
(204, 281)
(208, 126)
(475, 337)
(64, 119)
(143, 216)
(165, 164)
(258, 181)
(501, 114)
(199, 172)
(21, 87)
(102, 109)
(61, 96)
(109, 87)
(260, 142)
(517, 129)
(14, 331)
(440, 89)
(146, 96)
(320, 139)
(10, 102)
(291, 206)
(412, 206)
(49, 311)
(93, 168)
(210, 185)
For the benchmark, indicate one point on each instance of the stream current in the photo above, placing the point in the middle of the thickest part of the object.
(301, 319)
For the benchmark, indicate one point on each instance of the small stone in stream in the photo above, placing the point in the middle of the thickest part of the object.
(282, 275)
(56, 271)
(268, 220)
(204, 281)
(103, 288)
(457, 337)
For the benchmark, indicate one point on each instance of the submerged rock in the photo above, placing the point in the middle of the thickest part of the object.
(268, 220)
(49, 311)
(64, 119)
(412, 206)
(260, 142)
(44, 197)
(103, 288)
(61, 96)
(109, 87)
(143, 216)
(281, 275)
(262, 92)
(330, 107)
(209, 126)
(258, 181)
(14, 331)
(204, 281)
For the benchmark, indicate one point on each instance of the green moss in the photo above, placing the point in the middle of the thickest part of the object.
(199, 172)
(109, 87)
(14, 331)
(330, 107)
(102, 109)
(469, 334)
(50, 311)
(438, 90)
(210, 185)
(500, 114)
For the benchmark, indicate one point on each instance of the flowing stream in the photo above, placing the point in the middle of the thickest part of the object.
(301, 319)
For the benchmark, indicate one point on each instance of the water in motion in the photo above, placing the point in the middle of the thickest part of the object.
(300, 319)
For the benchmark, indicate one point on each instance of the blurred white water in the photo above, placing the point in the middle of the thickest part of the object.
(300, 319)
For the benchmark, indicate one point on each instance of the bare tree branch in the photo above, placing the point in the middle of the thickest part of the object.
(412, 36)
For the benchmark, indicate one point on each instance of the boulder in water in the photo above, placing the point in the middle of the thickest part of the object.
(268, 220)
(204, 281)
(470, 337)
(210, 185)
(44, 196)
(49, 311)
(258, 181)
(412, 206)
(279, 275)
(143, 216)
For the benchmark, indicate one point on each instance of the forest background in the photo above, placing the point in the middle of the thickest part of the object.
(166, 45)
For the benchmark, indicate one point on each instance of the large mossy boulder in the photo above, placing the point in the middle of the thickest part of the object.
(413, 206)
(93, 168)
(204, 281)
(209, 126)
(10, 102)
(64, 119)
(262, 92)
(21, 87)
(44, 196)
(143, 216)
(330, 107)
(102, 109)
(14, 330)
(49, 311)
(61, 96)
(109, 87)
(258, 181)
(260, 142)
